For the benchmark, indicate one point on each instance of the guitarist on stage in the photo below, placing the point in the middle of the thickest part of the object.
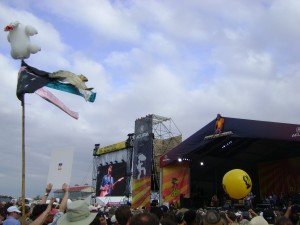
(107, 184)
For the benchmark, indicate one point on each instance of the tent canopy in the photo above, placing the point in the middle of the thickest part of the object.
(250, 141)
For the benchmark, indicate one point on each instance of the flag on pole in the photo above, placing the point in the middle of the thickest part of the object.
(48, 96)
(31, 80)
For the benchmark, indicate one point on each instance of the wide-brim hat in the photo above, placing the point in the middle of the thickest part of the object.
(78, 213)
(212, 217)
(258, 220)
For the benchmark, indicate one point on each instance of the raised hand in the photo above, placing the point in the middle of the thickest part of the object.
(65, 187)
(49, 188)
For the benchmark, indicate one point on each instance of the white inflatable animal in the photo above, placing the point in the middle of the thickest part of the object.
(18, 37)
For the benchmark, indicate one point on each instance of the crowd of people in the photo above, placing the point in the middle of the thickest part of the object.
(80, 212)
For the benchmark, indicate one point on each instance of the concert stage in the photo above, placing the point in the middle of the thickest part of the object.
(269, 152)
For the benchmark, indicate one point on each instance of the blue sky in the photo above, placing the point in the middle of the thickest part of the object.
(187, 60)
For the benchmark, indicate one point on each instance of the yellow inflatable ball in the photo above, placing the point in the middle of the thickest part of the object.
(237, 183)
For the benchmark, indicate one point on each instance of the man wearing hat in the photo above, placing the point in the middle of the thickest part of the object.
(212, 217)
(13, 216)
(78, 213)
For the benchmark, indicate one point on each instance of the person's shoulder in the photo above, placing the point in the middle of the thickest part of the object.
(56, 217)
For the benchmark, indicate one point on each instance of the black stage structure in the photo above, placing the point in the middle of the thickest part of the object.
(243, 144)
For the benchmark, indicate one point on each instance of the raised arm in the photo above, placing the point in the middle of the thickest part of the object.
(41, 218)
(63, 204)
(47, 192)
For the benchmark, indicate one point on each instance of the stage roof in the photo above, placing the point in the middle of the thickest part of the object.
(246, 141)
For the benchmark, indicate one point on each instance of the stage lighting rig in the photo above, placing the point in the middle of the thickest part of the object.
(96, 149)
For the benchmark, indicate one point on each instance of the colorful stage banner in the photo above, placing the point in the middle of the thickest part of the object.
(175, 182)
(280, 176)
(142, 158)
(111, 148)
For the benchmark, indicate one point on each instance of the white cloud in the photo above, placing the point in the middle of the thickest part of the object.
(184, 60)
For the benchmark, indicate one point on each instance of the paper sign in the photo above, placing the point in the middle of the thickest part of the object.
(60, 168)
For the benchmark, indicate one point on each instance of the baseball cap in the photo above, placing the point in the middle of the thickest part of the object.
(13, 209)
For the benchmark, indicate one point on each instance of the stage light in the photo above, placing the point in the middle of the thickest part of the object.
(201, 163)
(96, 149)
(228, 143)
(179, 159)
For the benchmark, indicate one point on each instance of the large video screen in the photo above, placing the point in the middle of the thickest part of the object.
(111, 180)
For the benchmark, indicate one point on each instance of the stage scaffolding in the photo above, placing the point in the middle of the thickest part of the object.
(166, 136)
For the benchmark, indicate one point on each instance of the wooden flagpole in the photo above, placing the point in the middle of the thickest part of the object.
(23, 160)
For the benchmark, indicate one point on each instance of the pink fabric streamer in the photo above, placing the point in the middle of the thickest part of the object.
(47, 95)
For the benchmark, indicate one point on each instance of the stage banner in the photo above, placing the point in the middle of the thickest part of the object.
(111, 148)
(175, 183)
(142, 157)
(280, 176)
(115, 183)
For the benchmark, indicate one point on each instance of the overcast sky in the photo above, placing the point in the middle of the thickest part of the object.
(187, 60)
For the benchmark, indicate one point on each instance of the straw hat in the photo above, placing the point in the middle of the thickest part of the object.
(78, 213)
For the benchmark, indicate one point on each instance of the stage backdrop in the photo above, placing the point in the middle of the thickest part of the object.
(118, 171)
(175, 182)
(279, 176)
(142, 157)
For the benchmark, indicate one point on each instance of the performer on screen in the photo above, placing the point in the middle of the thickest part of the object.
(107, 184)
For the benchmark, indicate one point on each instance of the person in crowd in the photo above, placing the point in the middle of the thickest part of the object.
(252, 213)
(1, 219)
(293, 213)
(144, 218)
(258, 220)
(14, 213)
(231, 218)
(40, 208)
(167, 221)
(212, 217)
(170, 215)
(78, 213)
(100, 219)
(40, 220)
(13, 216)
(283, 221)
(244, 222)
(179, 218)
(157, 211)
(27, 215)
(3, 212)
(269, 216)
(214, 201)
(190, 217)
(123, 215)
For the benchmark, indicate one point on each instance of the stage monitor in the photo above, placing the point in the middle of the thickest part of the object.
(113, 184)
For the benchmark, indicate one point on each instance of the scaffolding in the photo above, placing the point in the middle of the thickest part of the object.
(166, 136)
